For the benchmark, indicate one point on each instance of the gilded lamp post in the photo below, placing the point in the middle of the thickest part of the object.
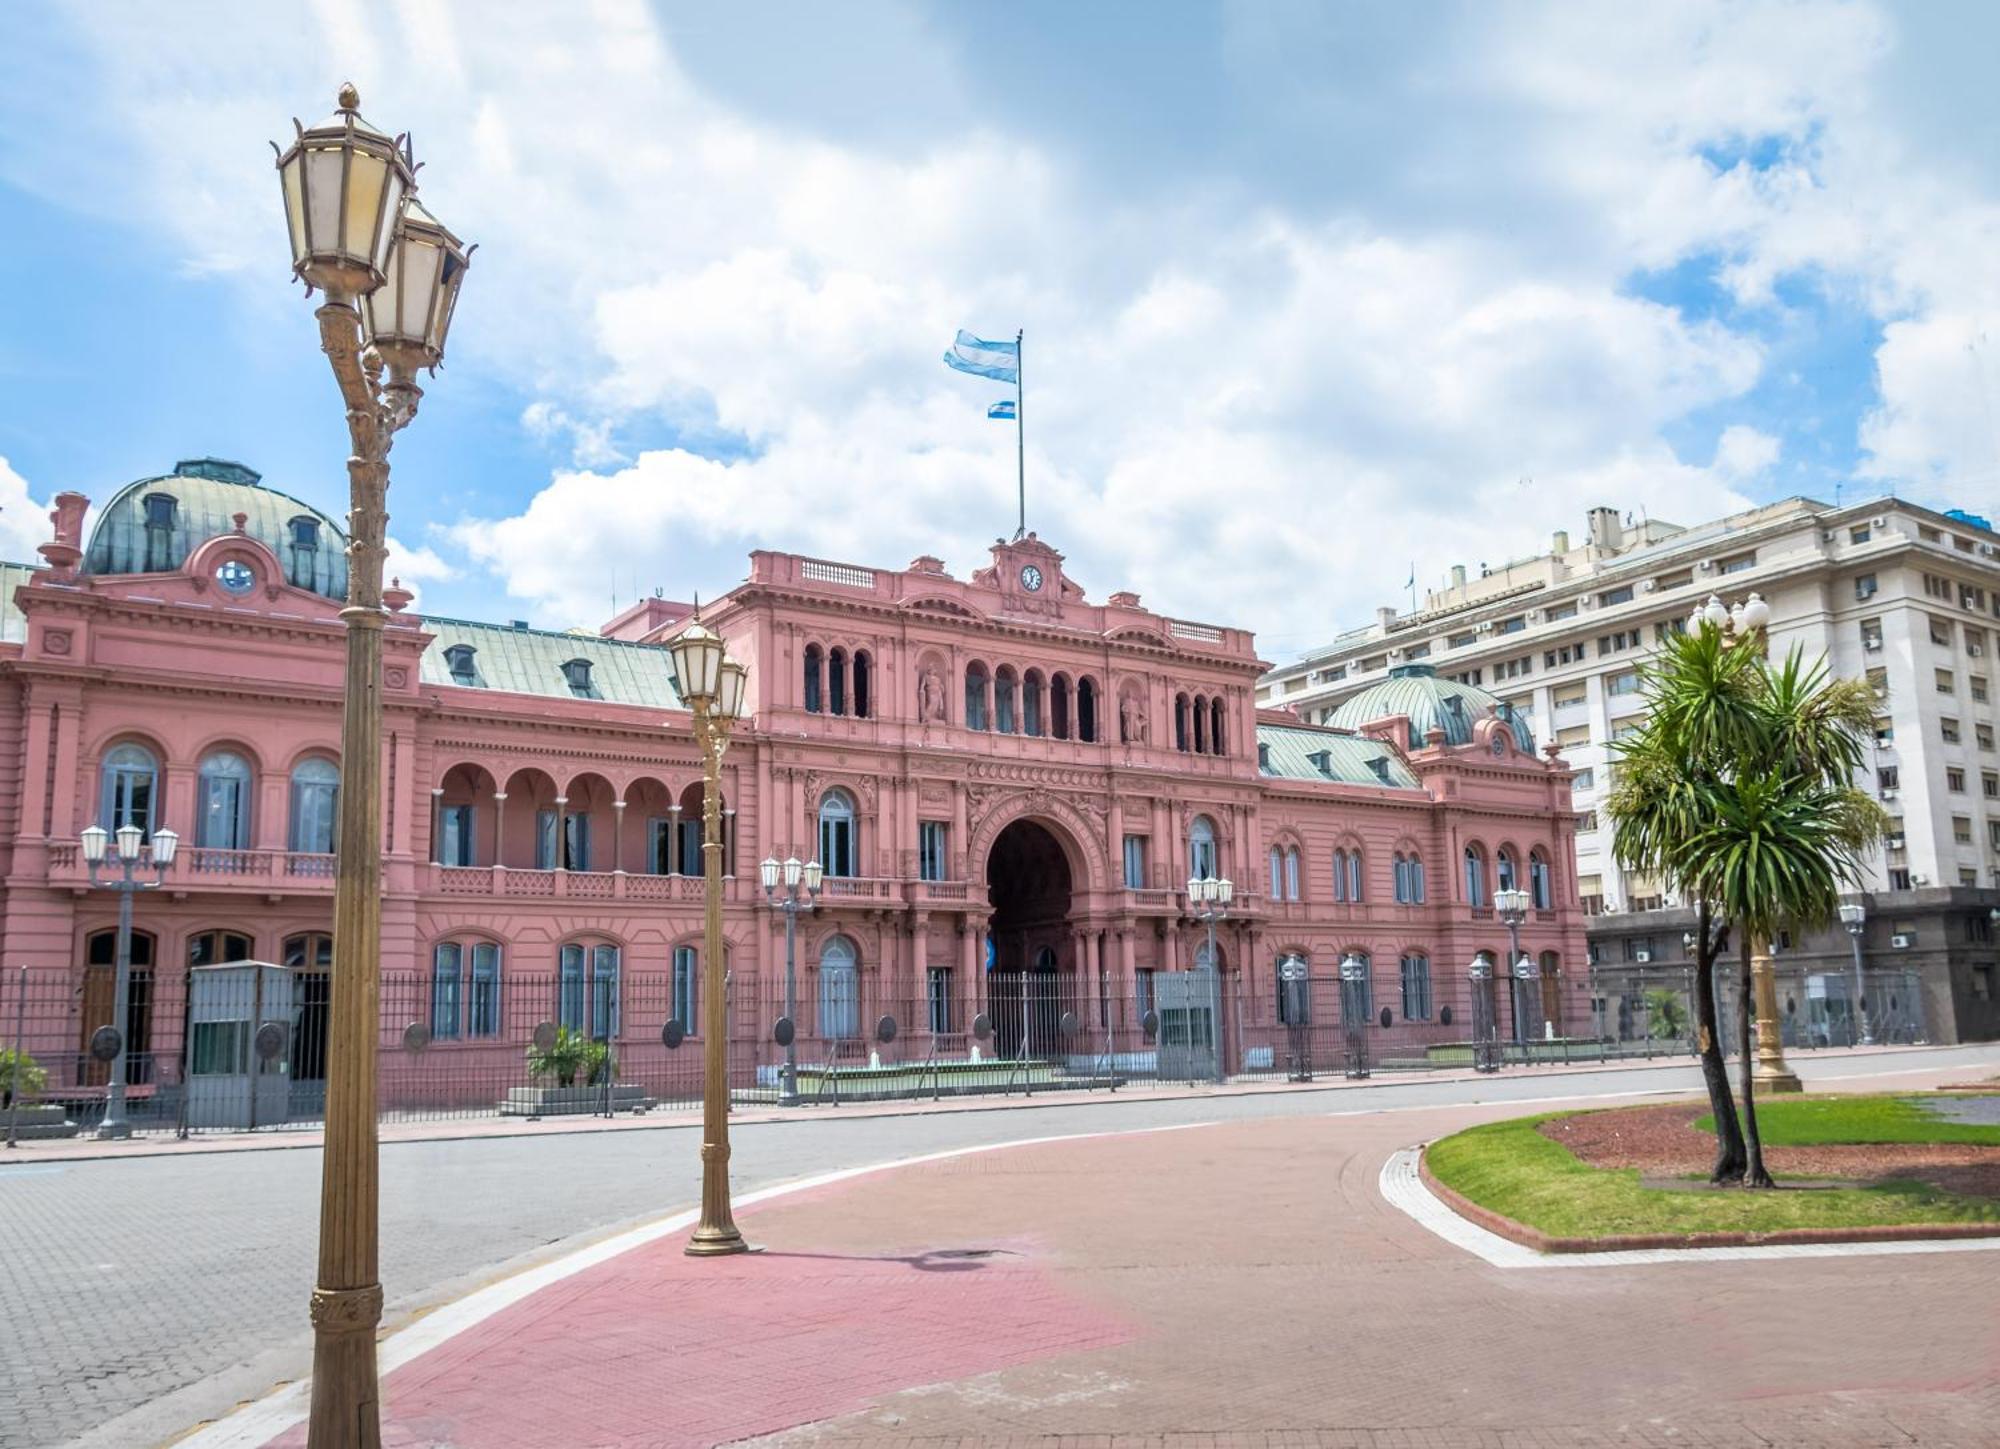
(391, 275)
(1745, 624)
(712, 686)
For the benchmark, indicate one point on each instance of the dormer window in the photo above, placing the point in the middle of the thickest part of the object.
(461, 660)
(162, 510)
(305, 550)
(577, 672)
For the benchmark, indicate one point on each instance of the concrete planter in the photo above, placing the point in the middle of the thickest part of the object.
(557, 1101)
(45, 1120)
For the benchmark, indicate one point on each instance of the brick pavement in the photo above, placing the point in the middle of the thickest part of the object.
(1233, 1283)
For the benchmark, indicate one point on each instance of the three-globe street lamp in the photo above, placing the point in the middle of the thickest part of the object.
(1744, 624)
(1211, 899)
(130, 839)
(791, 872)
(1511, 905)
(391, 275)
(1854, 916)
(712, 685)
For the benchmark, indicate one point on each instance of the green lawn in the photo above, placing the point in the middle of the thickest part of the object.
(1512, 1169)
(1819, 1121)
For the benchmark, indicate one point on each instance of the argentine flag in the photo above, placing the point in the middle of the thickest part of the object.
(1000, 361)
(1002, 410)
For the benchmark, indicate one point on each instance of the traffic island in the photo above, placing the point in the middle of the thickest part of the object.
(1850, 1169)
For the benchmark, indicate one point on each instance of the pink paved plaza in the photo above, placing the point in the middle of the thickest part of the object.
(1229, 1283)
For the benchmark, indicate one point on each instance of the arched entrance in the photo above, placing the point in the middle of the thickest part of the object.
(1028, 882)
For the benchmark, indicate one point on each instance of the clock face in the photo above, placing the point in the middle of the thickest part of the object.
(236, 576)
(1031, 578)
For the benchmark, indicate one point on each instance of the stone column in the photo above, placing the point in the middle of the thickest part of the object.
(499, 829)
(618, 836)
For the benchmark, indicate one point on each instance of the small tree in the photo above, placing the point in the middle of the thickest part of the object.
(569, 1055)
(20, 1073)
(1666, 1015)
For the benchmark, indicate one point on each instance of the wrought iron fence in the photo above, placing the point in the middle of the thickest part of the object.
(228, 1048)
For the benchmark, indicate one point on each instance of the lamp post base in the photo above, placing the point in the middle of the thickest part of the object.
(1777, 1079)
(716, 1243)
(113, 1131)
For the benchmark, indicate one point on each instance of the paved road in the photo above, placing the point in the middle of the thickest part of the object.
(144, 1295)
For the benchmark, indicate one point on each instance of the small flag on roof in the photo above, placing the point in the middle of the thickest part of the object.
(1002, 410)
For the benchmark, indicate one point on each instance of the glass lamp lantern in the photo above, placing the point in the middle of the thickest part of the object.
(1852, 915)
(95, 838)
(697, 656)
(732, 689)
(815, 873)
(792, 872)
(1197, 889)
(165, 844)
(344, 184)
(767, 872)
(406, 318)
(1222, 890)
(129, 838)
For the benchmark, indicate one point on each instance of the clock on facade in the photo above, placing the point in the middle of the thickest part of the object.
(1031, 578)
(236, 577)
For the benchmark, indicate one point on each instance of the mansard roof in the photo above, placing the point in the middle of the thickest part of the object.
(515, 659)
(1286, 752)
(208, 494)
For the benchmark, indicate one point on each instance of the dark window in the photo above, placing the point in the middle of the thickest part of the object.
(162, 510)
(459, 659)
(577, 673)
(812, 679)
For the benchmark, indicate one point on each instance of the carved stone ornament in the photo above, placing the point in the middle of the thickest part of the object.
(395, 678)
(56, 641)
(930, 696)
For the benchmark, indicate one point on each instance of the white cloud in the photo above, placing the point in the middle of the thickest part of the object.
(24, 523)
(1254, 411)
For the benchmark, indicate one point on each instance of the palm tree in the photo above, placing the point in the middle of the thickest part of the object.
(1701, 715)
(1738, 791)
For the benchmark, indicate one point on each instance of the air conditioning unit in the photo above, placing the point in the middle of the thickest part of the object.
(1890, 793)
(1646, 585)
(1902, 942)
(1975, 650)
(1987, 550)
(1895, 841)
(1872, 645)
(1864, 588)
(1878, 522)
(1642, 957)
(1707, 565)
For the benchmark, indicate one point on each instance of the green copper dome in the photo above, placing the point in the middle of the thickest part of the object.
(1416, 691)
(151, 526)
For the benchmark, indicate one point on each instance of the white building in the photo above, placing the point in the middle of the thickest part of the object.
(1896, 593)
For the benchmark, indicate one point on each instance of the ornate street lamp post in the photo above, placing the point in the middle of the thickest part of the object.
(391, 276)
(1745, 624)
(712, 686)
(1854, 916)
(792, 872)
(130, 839)
(1485, 1030)
(1211, 897)
(1511, 905)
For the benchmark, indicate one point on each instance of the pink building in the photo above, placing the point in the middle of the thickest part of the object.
(1007, 782)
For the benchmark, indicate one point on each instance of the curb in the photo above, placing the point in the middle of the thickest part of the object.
(1541, 1242)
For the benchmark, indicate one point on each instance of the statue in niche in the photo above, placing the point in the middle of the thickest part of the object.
(930, 697)
(1132, 721)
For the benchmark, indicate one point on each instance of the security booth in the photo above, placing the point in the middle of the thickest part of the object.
(1295, 1011)
(239, 1047)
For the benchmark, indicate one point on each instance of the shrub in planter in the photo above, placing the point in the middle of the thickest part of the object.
(600, 1066)
(21, 1073)
(571, 1054)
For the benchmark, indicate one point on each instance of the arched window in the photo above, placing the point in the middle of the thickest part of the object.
(465, 989)
(222, 807)
(1354, 875)
(838, 848)
(1416, 974)
(836, 681)
(814, 665)
(1031, 703)
(1409, 880)
(587, 996)
(1181, 723)
(1475, 876)
(1340, 875)
(131, 789)
(839, 990)
(1215, 727)
(687, 988)
(1277, 874)
(1059, 706)
(1503, 871)
(1201, 847)
(99, 998)
(215, 948)
(864, 684)
(1416, 868)
(1201, 724)
(1086, 710)
(315, 802)
(975, 696)
(1292, 873)
(447, 961)
(1539, 885)
(1005, 719)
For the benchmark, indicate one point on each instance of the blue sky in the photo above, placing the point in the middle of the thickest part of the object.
(1312, 293)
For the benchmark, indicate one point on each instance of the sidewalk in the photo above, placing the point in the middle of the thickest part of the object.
(453, 1129)
(1233, 1283)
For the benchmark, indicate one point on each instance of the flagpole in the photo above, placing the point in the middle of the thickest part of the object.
(1020, 436)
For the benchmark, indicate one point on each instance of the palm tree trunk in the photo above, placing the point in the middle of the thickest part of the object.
(1754, 1174)
(1714, 1070)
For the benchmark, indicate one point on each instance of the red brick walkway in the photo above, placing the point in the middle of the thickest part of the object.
(1229, 1284)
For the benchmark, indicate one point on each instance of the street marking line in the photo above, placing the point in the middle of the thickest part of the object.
(262, 1420)
(1403, 1187)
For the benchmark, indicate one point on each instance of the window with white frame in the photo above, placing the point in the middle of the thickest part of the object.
(131, 781)
(446, 983)
(1475, 876)
(1201, 848)
(838, 848)
(839, 990)
(315, 802)
(482, 1016)
(1277, 873)
(1416, 981)
(686, 988)
(587, 994)
(222, 820)
(1540, 886)
(1292, 873)
(931, 857)
(455, 840)
(1135, 862)
(1340, 875)
(1354, 875)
